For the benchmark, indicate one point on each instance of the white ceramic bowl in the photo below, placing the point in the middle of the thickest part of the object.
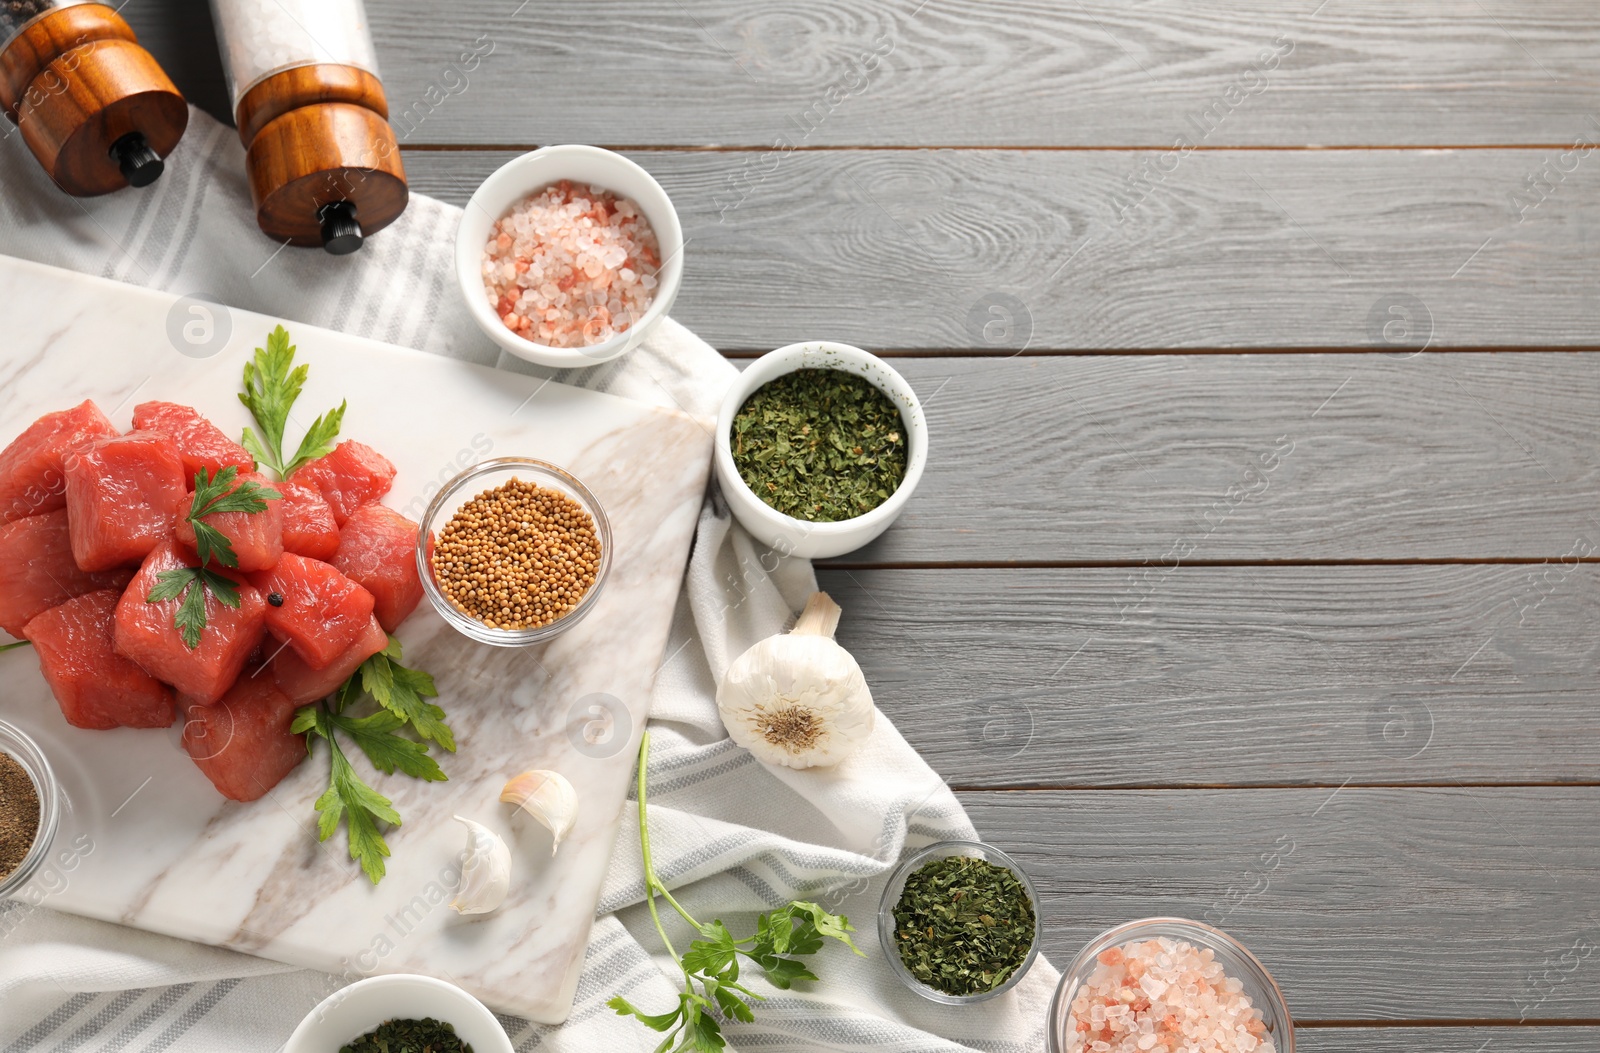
(518, 178)
(787, 535)
(351, 1012)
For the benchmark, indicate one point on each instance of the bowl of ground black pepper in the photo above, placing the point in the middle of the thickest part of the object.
(959, 922)
(514, 551)
(30, 808)
(819, 447)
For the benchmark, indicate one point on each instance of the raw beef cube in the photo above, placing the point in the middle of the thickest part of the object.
(145, 632)
(37, 570)
(243, 742)
(305, 684)
(200, 443)
(309, 528)
(32, 468)
(350, 476)
(120, 498)
(257, 536)
(95, 686)
(378, 551)
(323, 613)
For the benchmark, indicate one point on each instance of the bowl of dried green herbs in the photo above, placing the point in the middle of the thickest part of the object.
(959, 922)
(819, 447)
(399, 1013)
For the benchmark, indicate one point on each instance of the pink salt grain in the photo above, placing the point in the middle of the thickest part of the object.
(571, 265)
(1164, 996)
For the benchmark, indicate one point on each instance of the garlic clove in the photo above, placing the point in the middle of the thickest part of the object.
(548, 797)
(485, 871)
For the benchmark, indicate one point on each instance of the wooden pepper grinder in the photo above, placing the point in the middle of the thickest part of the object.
(94, 107)
(323, 162)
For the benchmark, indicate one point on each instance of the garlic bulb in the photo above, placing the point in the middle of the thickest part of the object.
(485, 871)
(548, 797)
(798, 699)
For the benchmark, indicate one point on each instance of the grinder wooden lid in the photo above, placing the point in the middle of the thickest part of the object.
(323, 162)
(95, 108)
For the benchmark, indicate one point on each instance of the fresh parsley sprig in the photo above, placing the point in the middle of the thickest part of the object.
(272, 383)
(212, 494)
(712, 963)
(13, 646)
(399, 692)
(404, 692)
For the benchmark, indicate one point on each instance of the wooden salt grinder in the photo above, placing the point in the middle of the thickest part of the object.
(94, 107)
(323, 162)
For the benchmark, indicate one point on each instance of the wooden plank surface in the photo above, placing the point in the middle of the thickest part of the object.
(1380, 1039)
(1373, 904)
(1446, 694)
(998, 72)
(1235, 675)
(1184, 458)
(910, 250)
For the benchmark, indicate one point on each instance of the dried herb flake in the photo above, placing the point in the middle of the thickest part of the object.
(820, 444)
(963, 925)
(409, 1036)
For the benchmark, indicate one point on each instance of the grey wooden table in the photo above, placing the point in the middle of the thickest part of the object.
(1253, 575)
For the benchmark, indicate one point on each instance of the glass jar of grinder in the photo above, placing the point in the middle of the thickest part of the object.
(323, 162)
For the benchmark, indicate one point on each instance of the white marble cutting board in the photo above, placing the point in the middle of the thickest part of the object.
(147, 842)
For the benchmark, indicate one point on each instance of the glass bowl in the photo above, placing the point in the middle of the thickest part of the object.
(15, 741)
(468, 485)
(897, 884)
(1237, 962)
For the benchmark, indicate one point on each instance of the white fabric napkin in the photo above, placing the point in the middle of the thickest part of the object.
(731, 836)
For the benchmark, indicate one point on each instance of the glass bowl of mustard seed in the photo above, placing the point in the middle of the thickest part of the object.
(959, 922)
(514, 551)
(819, 446)
(30, 808)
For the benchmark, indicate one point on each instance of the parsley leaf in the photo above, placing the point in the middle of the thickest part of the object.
(318, 439)
(171, 583)
(270, 388)
(656, 1021)
(348, 797)
(815, 923)
(731, 1004)
(691, 1024)
(192, 583)
(375, 734)
(700, 1030)
(215, 494)
(272, 383)
(402, 691)
(716, 956)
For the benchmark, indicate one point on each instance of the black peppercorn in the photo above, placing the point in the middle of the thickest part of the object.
(14, 14)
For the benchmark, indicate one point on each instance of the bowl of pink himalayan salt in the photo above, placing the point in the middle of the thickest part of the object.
(568, 256)
(1166, 984)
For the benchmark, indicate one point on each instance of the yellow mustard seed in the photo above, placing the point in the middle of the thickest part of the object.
(518, 556)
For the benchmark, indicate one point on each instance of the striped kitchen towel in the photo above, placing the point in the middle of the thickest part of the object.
(730, 835)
